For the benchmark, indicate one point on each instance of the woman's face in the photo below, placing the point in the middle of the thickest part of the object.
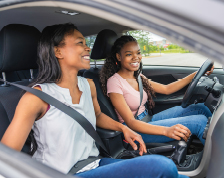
(75, 53)
(130, 56)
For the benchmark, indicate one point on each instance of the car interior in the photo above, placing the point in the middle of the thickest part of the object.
(18, 64)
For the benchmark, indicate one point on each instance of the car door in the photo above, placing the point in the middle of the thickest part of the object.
(166, 62)
(166, 74)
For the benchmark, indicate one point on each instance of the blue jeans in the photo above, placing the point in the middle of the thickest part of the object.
(150, 166)
(194, 117)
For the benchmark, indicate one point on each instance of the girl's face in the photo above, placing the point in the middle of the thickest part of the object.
(75, 53)
(130, 56)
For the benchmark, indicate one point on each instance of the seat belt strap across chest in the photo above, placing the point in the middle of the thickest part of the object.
(86, 125)
(147, 118)
(141, 93)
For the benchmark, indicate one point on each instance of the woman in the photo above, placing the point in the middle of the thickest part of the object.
(119, 82)
(61, 141)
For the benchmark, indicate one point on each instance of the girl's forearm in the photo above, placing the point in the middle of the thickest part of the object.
(146, 128)
(189, 77)
(181, 83)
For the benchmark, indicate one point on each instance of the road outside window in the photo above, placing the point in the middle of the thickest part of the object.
(157, 50)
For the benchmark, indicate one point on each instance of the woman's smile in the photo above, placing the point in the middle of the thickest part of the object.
(135, 64)
(86, 57)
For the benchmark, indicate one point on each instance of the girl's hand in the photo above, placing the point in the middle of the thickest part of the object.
(177, 132)
(131, 136)
(210, 71)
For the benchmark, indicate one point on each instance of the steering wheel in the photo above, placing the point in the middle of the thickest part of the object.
(207, 65)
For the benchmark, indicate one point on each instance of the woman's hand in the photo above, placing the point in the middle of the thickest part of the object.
(131, 136)
(210, 71)
(177, 132)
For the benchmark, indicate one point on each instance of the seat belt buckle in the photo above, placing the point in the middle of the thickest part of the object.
(126, 144)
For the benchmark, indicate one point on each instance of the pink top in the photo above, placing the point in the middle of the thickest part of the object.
(117, 84)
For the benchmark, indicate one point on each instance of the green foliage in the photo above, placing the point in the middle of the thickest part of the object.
(180, 50)
(153, 48)
(173, 46)
(161, 48)
(143, 38)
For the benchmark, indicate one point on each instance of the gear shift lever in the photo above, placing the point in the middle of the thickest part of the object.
(180, 152)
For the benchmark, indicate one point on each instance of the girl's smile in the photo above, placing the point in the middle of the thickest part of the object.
(135, 64)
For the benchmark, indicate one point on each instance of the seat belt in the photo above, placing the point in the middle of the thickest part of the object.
(147, 118)
(141, 93)
(87, 126)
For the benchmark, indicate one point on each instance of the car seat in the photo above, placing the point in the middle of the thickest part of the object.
(18, 52)
(6, 35)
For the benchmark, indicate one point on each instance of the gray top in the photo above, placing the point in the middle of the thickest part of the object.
(61, 140)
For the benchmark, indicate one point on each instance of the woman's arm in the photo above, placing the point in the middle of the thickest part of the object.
(175, 132)
(29, 108)
(106, 122)
(175, 86)
(172, 87)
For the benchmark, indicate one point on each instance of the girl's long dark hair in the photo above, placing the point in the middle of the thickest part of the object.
(49, 68)
(112, 65)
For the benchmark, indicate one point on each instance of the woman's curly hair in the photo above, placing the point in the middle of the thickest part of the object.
(112, 65)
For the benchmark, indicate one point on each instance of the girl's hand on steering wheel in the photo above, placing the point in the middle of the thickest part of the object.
(131, 136)
(177, 132)
(210, 71)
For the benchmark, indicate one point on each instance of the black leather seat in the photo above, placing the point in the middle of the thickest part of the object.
(10, 44)
(18, 52)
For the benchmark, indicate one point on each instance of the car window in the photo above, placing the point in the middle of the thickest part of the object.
(157, 50)
(90, 40)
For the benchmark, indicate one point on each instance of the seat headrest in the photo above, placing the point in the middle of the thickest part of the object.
(103, 43)
(18, 47)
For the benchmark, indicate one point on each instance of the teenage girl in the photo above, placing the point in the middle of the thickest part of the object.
(119, 82)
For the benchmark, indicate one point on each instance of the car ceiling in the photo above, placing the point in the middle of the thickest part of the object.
(41, 17)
